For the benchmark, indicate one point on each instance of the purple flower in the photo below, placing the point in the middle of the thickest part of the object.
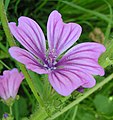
(9, 83)
(5, 115)
(68, 73)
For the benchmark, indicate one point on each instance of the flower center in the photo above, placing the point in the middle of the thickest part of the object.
(50, 62)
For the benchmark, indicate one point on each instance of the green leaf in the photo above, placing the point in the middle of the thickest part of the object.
(103, 104)
(22, 107)
(85, 114)
(25, 118)
(39, 115)
(105, 57)
(3, 55)
(3, 109)
(88, 116)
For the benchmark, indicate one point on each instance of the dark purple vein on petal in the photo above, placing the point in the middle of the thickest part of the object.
(30, 59)
(59, 39)
(67, 70)
(61, 46)
(30, 47)
(36, 34)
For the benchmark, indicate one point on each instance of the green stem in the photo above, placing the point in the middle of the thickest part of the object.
(3, 48)
(10, 108)
(4, 65)
(107, 33)
(81, 98)
(29, 81)
(75, 112)
(5, 24)
(12, 43)
(16, 109)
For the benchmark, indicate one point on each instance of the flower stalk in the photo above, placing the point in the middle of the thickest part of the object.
(5, 24)
(81, 98)
(10, 108)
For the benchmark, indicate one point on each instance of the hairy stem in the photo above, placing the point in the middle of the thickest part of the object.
(12, 43)
(81, 98)
(10, 108)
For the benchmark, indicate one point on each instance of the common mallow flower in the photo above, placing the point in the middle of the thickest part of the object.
(66, 73)
(9, 83)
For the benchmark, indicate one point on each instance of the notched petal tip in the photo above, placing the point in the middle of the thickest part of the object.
(24, 19)
(90, 83)
(12, 27)
(102, 47)
(79, 28)
(11, 50)
(10, 24)
(15, 70)
(55, 13)
(102, 72)
(61, 35)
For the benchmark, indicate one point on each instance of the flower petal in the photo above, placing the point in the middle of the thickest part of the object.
(16, 79)
(89, 84)
(4, 88)
(65, 81)
(30, 35)
(61, 36)
(13, 82)
(28, 59)
(9, 83)
(84, 56)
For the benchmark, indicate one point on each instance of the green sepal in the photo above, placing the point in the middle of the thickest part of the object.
(9, 102)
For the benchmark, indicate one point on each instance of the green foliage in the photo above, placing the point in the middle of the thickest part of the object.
(4, 109)
(103, 104)
(105, 58)
(41, 115)
(22, 107)
(6, 4)
(89, 14)
(37, 82)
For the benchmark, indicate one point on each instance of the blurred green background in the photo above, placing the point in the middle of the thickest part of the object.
(95, 17)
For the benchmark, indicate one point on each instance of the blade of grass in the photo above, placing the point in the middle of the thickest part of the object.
(88, 11)
(109, 24)
(75, 112)
(3, 48)
(5, 65)
(16, 6)
(6, 4)
(41, 5)
(66, 116)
